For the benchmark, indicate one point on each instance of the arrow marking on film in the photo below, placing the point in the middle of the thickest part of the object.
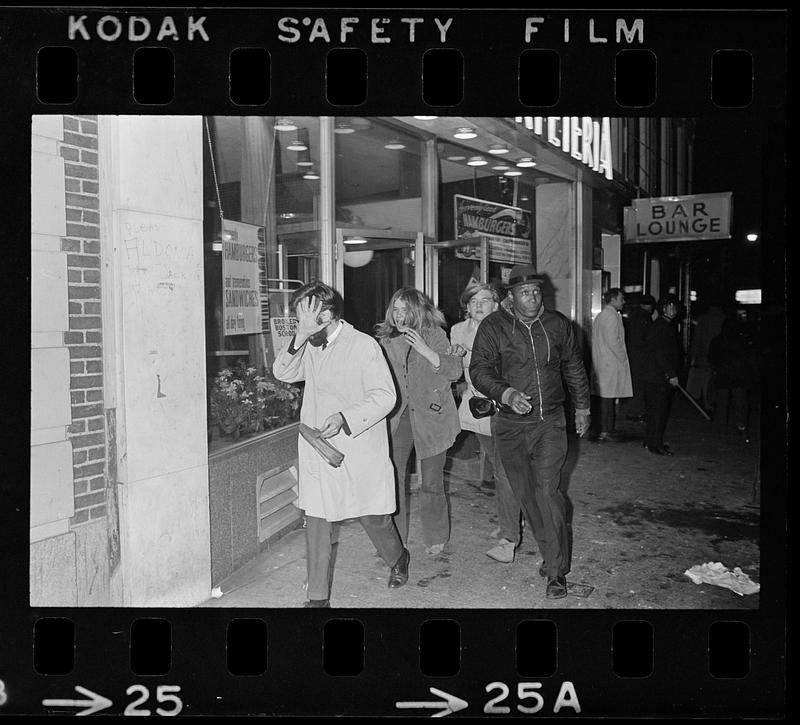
(95, 703)
(451, 703)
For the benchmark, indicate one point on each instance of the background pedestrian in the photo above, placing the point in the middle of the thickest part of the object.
(661, 374)
(735, 373)
(699, 383)
(637, 318)
(611, 375)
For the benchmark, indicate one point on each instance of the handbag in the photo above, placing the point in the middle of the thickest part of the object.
(481, 407)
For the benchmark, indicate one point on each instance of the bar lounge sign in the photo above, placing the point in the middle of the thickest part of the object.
(679, 218)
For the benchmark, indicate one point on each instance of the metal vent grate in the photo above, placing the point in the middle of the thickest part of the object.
(276, 493)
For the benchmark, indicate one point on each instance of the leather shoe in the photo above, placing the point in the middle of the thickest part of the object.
(556, 587)
(317, 604)
(659, 450)
(610, 437)
(399, 573)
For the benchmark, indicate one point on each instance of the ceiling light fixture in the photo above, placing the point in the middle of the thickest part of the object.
(498, 148)
(425, 118)
(342, 127)
(311, 174)
(456, 157)
(501, 167)
(297, 145)
(465, 132)
(355, 240)
(394, 144)
(358, 257)
(513, 172)
(305, 162)
(285, 124)
(477, 161)
(526, 162)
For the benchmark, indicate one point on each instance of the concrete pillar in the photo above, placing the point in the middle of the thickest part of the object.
(555, 235)
(151, 172)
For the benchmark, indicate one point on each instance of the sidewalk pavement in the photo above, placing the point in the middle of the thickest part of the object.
(639, 522)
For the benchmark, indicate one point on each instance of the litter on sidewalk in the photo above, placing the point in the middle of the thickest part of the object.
(716, 573)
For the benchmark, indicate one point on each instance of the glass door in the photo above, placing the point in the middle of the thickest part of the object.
(372, 265)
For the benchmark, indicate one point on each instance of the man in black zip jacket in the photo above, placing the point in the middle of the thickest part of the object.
(661, 374)
(521, 359)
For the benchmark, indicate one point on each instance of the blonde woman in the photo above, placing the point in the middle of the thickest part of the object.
(480, 301)
(425, 418)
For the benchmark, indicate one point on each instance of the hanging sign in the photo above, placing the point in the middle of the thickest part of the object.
(241, 299)
(506, 228)
(282, 330)
(679, 218)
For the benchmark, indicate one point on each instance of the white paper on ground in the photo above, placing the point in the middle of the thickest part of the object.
(716, 573)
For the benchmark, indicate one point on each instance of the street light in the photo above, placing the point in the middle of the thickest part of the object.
(752, 237)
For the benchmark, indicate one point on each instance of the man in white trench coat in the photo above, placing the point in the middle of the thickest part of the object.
(611, 377)
(349, 391)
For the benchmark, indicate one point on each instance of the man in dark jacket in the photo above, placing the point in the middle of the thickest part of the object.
(638, 318)
(661, 374)
(519, 359)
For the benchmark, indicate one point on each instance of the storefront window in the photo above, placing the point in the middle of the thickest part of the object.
(491, 178)
(262, 241)
(378, 212)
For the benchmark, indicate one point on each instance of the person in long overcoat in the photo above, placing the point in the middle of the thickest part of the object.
(348, 394)
(424, 419)
(611, 373)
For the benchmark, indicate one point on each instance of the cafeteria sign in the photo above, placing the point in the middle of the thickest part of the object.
(506, 228)
(679, 218)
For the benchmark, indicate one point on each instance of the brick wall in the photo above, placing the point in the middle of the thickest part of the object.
(85, 337)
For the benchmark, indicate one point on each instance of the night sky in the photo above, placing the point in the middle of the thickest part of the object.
(728, 157)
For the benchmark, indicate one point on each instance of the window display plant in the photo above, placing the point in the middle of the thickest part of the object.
(242, 402)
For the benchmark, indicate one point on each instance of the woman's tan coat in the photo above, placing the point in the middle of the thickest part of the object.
(425, 391)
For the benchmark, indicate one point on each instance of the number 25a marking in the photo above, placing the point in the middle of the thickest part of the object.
(567, 697)
(164, 693)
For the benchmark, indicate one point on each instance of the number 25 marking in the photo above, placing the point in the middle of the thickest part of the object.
(525, 690)
(164, 693)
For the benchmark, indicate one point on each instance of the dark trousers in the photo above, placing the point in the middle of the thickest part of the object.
(635, 405)
(508, 510)
(606, 414)
(434, 513)
(657, 398)
(730, 409)
(321, 535)
(533, 454)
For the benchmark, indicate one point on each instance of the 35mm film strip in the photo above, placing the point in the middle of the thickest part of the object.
(174, 176)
